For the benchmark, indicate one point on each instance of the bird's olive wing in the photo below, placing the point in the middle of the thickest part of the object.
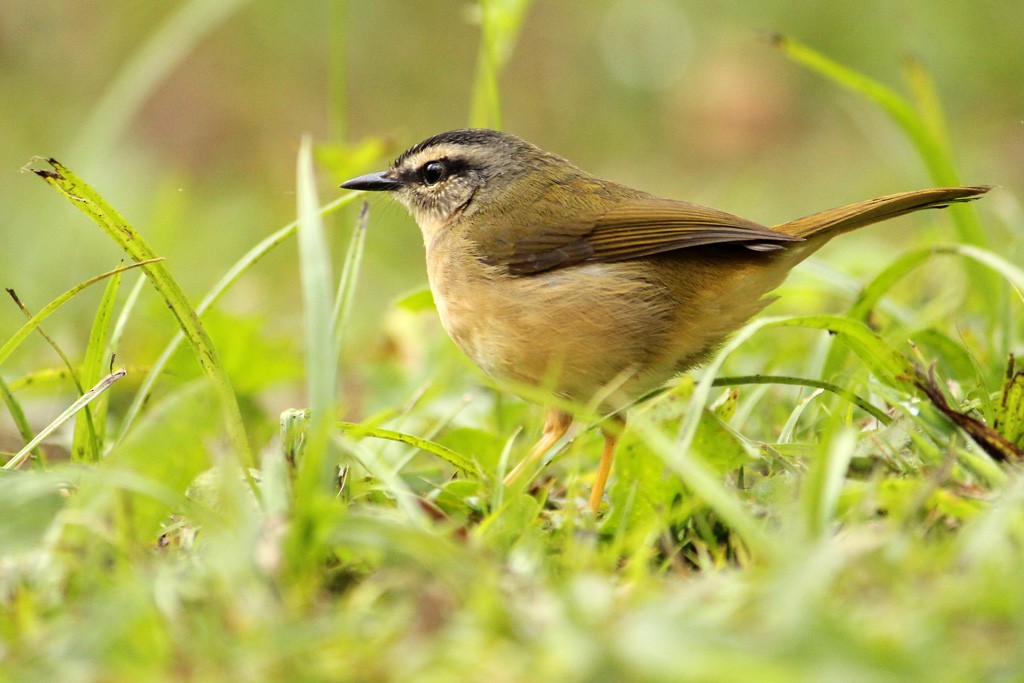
(640, 227)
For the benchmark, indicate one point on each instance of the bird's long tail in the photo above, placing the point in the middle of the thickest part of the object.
(853, 216)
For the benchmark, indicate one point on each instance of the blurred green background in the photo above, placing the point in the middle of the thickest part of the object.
(683, 98)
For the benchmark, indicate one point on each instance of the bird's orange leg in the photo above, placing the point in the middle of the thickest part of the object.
(611, 438)
(556, 424)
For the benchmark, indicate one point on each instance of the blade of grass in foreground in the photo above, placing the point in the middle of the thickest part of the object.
(71, 369)
(884, 361)
(804, 382)
(676, 453)
(901, 267)
(924, 131)
(349, 272)
(924, 126)
(821, 488)
(705, 485)
(315, 470)
(11, 344)
(84, 400)
(500, 21)
(86, 430)
(90, 425)
(103, 214)
(234, 273)
(443, 452)
(18, 415)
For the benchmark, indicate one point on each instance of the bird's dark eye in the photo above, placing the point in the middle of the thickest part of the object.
(434, 172)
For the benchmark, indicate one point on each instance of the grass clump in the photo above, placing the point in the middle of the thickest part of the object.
(846, 517)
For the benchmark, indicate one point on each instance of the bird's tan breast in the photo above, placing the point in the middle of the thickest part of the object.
(570, 331)
(584, 329)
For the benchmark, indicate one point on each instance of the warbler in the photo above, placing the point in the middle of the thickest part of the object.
(549, 277)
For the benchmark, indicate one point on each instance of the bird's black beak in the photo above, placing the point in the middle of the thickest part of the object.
(373, 182)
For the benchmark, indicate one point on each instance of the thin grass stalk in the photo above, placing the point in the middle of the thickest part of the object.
(90, 424)
(226, 281)
(87, 200)
(315, 470)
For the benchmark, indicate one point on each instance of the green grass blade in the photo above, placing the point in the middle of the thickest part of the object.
(405, 498)
(18, 415)
(1010, 272)
(885, 362)
(879, 287)
(792, 422)
(704, 483)
(87, 442)
(878, 355)
(500, 21)
(103, 214)
(234, 273)
(922, 130)
(44, 377)
(122, 318)
(697, 476)
(901, 267)
(929, 147)
(316, 468)
(820, 489)
(1009, 413)
(72, 371)
(357, 430)
(875, 290)
(85, 417)
(922, 88)
(84, 400)
(11, 344)
(349, 274)
(804, 382)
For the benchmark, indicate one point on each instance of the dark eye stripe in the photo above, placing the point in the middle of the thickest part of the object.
(434, 172)
(437, 170)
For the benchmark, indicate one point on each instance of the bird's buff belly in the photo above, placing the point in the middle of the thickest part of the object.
(546, 331)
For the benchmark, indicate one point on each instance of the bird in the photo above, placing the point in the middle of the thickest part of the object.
(562, 284)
